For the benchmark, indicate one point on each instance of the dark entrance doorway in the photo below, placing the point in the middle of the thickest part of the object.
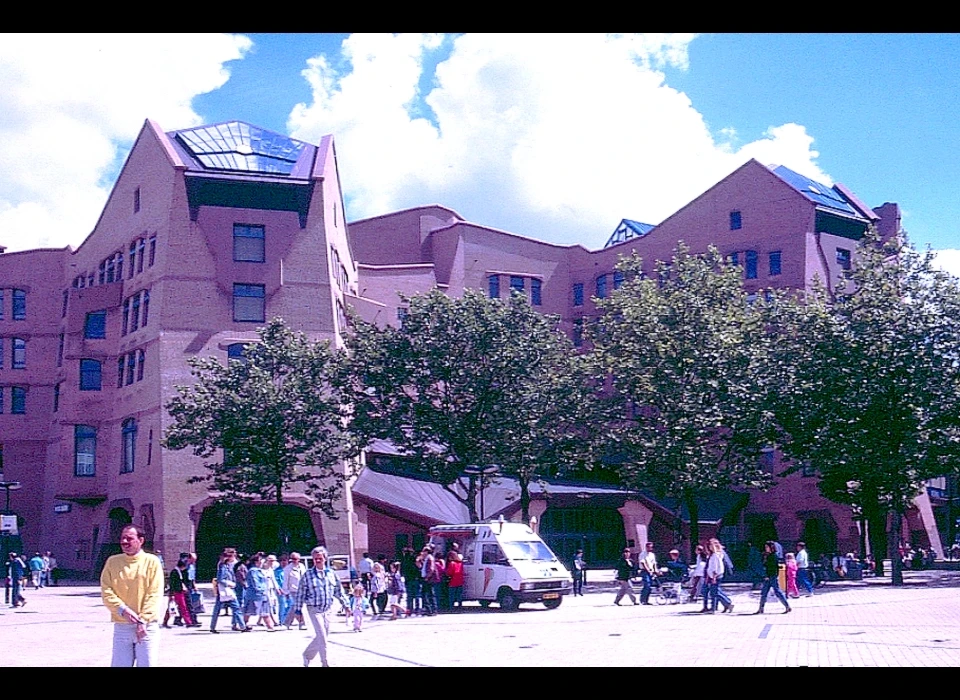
(251, 528)
(597, 531)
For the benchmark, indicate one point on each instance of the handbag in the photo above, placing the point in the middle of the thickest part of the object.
(196, 603)
(227, 595)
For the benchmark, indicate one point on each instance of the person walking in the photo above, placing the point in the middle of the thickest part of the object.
(395, 590)
(579, 573)
(131, 587)
(410, 569)
(648, 570)
(803, 568)
(357, 605)
(15, 574)
(427, 576)
(791, 565)
(771, 578)
(178, 590)
(455, 580)
(317, 590)
(36, 570)
(714, 577)
(292, 574)
(696, 579)
(52, 575)
(226, 590)
(625, 571)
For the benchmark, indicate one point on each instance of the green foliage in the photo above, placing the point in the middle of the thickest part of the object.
(468, 383)
(684, 355)
(869, 379)
(278, 414)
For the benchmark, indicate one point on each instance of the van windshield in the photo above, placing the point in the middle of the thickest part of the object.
(531, 550)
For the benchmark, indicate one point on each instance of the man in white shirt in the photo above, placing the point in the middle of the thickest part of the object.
(803, 568)
(292, 573)
(648, 569)
(365, 569)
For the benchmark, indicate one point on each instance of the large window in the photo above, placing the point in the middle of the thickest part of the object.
(131, 367)
(843, 258)
(141, 356)
(19, 305)
(1, 353)
(1, 304)
(18, 399)
(750, 264)
(775, 257)
(84, 450)
(493, 286)
(617, 279)
(517, 284)
(126, 317)
(146, 307)
(578, 294)
(249, 302)
(90, 371)
(19, 354)
(602, 287)
(535, 294)
(129, 435)
(135, 313)
(95, 325)
(248, 243)
(736, 221)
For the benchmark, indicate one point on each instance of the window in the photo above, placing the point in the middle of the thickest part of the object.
(517, 284)
(95, 325)
(843, 258)
(56, 397)
(131, 367)
(146, 307)
(135, 313)
(1, 353)
(141, 357)
(774, 263)
(153, 250)
(121, 363)
(19, 305)
(493, 285)
(84, 450)
(129, 434)
(617, 279)
(535, 298)
(577, 332)
(18, 400)
(602, 287)
(110, 269)
(19, 353)
(248, 243)
(66, 297)
(1, 304)
(235, 351)
(133, 259)
(750, 260)
(60, 352)
(733, 259)
(136, 200)
(119, 276)
(140, 249)
(90, 375)
(126, 316)
(102, 273)
(736, 222)
(248, 302)
(578, 294)
(1, 399)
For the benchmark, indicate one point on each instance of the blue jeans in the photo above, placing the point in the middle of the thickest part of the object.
(803, 579)
(774, 583)
(414, 599)
(716, 594)
(234, 609)
(455, 596)
(429, 598)
(647, 581)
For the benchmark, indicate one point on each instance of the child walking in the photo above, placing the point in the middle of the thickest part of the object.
(395, 590)
(357, 606)
(790, 562)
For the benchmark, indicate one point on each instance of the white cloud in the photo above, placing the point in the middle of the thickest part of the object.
(71, 103)
(948, 259)
(553, 136)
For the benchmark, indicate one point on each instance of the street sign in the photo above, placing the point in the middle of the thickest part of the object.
(8, 524)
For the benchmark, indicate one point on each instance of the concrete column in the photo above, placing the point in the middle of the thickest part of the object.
(636, 523)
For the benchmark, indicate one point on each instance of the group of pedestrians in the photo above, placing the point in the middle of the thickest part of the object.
(38, 571)
(416, 584)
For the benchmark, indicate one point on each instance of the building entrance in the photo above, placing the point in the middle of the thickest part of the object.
(251, 528)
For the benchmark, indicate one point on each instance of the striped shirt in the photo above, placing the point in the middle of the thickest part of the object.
(318, 588)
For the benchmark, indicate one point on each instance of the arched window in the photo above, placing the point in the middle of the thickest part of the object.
(129, 433)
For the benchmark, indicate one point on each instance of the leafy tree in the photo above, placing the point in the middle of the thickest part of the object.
(683, 356)
(869, 383)
(472, 383)
(267, 423)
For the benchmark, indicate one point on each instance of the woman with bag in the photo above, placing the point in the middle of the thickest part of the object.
(178, 594)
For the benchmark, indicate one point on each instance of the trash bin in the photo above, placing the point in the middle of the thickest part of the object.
(782, 578)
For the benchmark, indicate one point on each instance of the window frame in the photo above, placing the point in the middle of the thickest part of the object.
(18, 400)
(577, 293)
(18, 312)
(775, 255)
(87, 373)
(128, 446)
(257, 253)
(88, 434)
(536, 291)
(18, 353)
(844, 258)
(262, 296)
(89, 327)
(751, 264)
(736, 220)
(493, 286)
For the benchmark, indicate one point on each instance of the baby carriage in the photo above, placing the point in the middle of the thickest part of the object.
(670, 591)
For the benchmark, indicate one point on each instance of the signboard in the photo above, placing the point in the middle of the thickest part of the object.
(8, 524)
(63, 508)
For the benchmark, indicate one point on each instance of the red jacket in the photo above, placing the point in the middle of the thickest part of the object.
(455, 573)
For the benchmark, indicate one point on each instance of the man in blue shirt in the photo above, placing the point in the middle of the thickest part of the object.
(15, 573)
(36, 571)
(318, 587)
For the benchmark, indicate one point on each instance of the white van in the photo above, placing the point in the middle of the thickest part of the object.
(505, 562)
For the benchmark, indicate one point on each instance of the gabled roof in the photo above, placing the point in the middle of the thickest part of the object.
(628, 229)
(818, 193)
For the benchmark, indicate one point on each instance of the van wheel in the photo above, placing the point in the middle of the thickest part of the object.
(484, 603)
(508, 600)
(553, 604)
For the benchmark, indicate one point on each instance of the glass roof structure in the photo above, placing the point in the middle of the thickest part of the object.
(238, 146)
(628, 229)
(816, 192)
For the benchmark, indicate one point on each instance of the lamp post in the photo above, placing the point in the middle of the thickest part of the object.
(9, 486)
(482, 472)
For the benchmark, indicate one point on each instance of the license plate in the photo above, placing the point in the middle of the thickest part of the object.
(550, 596)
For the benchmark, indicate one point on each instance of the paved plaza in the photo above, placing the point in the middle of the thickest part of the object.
(845, 624)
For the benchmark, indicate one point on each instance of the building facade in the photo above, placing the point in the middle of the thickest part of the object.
(210, 231)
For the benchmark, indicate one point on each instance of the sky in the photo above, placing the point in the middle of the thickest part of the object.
(555, 137)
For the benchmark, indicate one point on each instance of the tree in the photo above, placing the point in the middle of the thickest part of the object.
(869, 383)
(272, 421)
(472, 383)
(683, 356)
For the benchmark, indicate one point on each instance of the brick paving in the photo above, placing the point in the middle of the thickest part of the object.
(845, 624)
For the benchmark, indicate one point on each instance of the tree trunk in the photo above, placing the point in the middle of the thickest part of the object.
(524, 500)
(693, 509)
(877, 524)
(896, 535)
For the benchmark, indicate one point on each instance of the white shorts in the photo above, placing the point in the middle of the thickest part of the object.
(394, 599)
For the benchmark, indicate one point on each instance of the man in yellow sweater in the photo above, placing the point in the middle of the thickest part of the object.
(132, 588)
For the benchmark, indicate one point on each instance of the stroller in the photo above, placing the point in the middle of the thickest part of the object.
(670, 591)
